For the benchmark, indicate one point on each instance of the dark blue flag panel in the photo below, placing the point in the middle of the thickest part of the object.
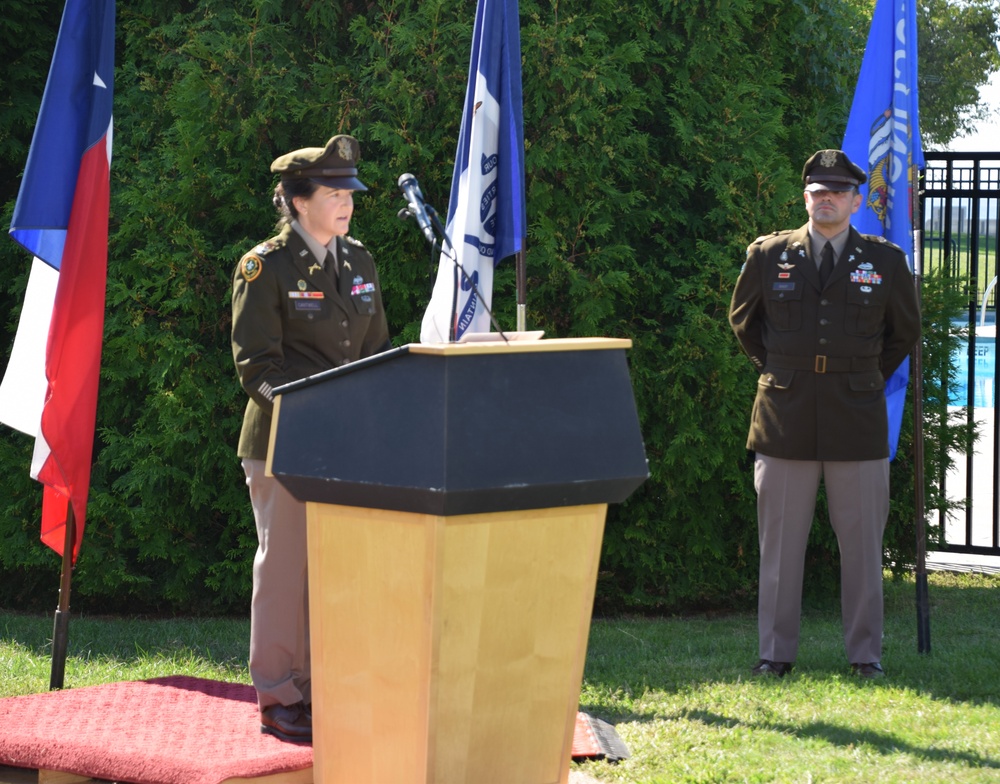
(883, 137)
(486, 211)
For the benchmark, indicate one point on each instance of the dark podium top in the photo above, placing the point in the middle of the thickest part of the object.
(468, 428)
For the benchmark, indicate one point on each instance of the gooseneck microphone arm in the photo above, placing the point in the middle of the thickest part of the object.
(427, 220)
(415, 204)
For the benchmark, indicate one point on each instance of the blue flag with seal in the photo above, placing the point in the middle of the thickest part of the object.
(486, 210)
(883, 137)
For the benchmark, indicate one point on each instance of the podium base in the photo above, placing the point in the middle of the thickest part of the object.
(448, 649)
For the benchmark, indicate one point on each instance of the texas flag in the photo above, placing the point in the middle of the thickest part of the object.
(61, 216)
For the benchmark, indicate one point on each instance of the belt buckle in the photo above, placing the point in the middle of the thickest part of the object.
(820, 366)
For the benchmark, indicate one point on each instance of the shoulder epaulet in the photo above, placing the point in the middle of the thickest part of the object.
(354, 241)
(773, 234)
(882, 241)
(264, 248)
(765, 237)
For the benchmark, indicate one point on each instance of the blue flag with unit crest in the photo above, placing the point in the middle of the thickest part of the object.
(883, 138)
(486, 211)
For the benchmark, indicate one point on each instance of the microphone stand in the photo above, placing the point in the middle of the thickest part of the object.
(457, 269)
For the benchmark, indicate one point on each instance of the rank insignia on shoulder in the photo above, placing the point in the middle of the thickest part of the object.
(250, 267)
(881, 240)
(264, 248)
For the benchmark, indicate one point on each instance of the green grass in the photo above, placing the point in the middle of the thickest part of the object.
(105, 650)
(677, 690)
(681, 698)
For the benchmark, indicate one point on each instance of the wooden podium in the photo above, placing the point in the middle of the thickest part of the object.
(456, 497)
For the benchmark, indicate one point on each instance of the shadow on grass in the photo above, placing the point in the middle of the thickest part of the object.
(835, 735)
(628, 657)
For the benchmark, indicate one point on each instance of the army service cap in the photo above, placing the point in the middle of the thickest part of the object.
(335, 165)
(832, 170)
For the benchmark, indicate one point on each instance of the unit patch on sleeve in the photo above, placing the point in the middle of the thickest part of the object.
(250, 267)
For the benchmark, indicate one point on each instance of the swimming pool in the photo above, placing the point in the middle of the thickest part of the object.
(985, 360)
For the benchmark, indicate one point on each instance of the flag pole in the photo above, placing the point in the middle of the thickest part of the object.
(60, 624)
(923, 612)
(522, 288)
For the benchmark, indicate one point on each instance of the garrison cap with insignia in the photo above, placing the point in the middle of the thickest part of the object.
(832, 170)
(335, 165)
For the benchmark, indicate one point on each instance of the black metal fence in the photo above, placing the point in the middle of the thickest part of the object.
(959, 207)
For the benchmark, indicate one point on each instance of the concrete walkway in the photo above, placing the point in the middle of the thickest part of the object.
(962, 562)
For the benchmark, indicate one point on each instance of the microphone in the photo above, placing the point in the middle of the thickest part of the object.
(408, 185)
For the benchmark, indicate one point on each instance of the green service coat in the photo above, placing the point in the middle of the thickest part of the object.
(290, 321)
(823, 356)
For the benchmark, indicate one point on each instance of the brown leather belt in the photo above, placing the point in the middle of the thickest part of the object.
(820, 363)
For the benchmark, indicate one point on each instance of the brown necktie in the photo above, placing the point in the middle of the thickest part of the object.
(330, 265)
(826, 264)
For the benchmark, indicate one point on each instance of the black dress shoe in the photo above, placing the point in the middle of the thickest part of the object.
(772, 668)
(868, 670)
(288, 722)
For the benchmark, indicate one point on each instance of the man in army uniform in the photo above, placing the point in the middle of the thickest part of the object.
(825, 314)
(305, 301)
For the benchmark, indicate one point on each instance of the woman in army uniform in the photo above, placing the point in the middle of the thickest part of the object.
(305, 301)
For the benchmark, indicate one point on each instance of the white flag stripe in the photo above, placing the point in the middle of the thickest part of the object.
(22, 392)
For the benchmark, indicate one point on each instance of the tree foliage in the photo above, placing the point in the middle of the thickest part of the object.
(959, 48)
(658, 145)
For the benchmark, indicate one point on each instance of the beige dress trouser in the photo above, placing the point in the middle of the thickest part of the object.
(279, 609)
(858, 500)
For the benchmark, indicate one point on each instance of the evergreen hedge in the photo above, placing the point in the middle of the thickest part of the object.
(661, 138)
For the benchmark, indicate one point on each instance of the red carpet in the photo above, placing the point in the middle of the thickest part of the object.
(177, 730)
